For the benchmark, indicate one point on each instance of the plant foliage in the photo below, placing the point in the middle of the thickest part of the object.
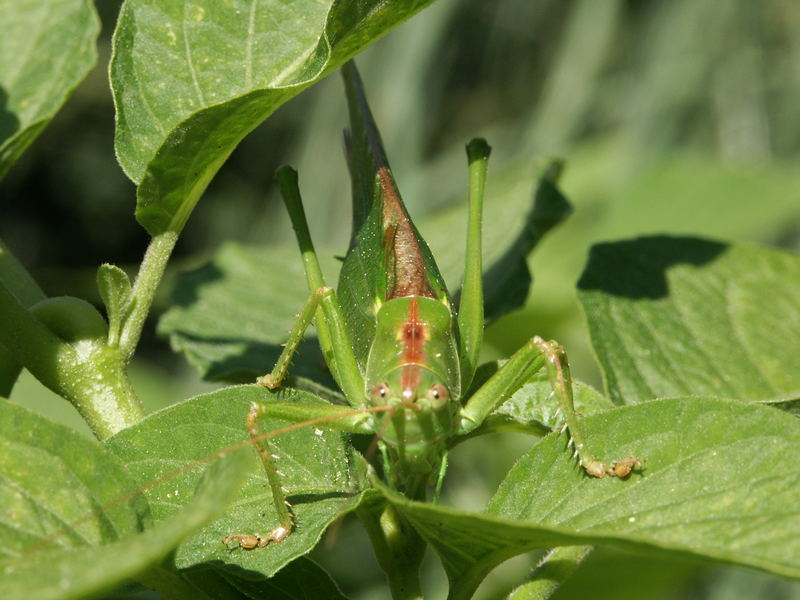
(696, 340)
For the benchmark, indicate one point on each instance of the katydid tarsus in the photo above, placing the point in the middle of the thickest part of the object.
(391, 337)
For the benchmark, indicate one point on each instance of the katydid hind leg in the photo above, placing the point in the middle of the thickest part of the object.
(334, 338)
(470, 305)
(558, 372)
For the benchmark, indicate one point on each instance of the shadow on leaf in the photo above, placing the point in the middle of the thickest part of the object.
(637, 268)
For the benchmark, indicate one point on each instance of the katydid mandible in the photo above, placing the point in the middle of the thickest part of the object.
(392, 339)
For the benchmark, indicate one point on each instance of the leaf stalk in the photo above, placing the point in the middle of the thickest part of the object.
(144, 289)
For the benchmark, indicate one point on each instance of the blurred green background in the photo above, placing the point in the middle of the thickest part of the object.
(674, 116)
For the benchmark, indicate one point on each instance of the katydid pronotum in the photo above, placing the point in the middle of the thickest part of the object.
(409, 372)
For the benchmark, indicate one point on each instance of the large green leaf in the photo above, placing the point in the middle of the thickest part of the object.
(322, 474)
(718, 483)
(53, 479)
(72, 524)
(190, 80)
(46, 49)
(671, 316)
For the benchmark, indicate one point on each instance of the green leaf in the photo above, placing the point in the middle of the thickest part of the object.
(231, 316)
(191, 80)
(72, 522)
(672, 316)
(46, 49)
(322, 474)
(718, 484)
(115, 290)
(53, 481)
(60, 575)
(74, 320)
(508, 279)
(617, 198)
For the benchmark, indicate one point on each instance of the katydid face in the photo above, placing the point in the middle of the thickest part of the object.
(413, 359)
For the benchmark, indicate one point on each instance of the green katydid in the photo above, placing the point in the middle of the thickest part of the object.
(391, 337)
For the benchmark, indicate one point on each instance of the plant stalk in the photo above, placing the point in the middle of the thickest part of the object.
(144, 289)
(398, 547)
(86, 372)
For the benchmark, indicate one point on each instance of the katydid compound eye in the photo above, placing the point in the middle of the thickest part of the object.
(381, 391)
(438, 392)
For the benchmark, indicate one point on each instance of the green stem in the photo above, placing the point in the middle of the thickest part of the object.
(398, 547)
(555, 569)
(144, 288)
(86, 372)
(102, 393)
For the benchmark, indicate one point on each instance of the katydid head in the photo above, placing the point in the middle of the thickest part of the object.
(423, 416)
(427, 394)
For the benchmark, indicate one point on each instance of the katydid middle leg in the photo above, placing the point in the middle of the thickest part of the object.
(274, 378)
